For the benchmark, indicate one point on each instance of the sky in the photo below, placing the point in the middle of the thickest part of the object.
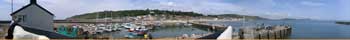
(272, 9)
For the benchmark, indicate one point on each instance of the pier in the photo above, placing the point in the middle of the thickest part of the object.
(261, 32)
(270, 32)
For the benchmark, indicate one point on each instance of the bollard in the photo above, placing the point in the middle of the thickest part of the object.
(268, 34)
(279, 34)
(273, 34)
(241, 34)
(283, 33)
(265, 34)
(259, 36)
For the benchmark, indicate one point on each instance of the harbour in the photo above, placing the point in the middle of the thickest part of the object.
(196, 28)
(171, 21)
(193, 30)
(301, 29)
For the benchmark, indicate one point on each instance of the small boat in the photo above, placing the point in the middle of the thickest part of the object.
(138, 33)
(100, 29)
(65, 31)
(227, 34)
(108, 28)
(128, 25)
(116, 27)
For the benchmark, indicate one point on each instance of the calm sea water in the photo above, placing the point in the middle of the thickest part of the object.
(302, 28)
(165, 32)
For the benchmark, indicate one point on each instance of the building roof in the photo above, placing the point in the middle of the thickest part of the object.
(32, 2)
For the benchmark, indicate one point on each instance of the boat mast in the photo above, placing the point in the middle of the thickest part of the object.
(105, 17)
(244, 18)
(97, 16)
(11, 6)
(111, 16)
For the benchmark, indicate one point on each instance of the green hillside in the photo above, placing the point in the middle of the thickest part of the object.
(132, 13)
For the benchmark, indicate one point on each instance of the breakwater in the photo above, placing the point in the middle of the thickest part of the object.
(269, 32)
(259, 32)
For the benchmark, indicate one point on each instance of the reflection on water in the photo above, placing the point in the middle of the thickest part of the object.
(303, 28)
(176, 31)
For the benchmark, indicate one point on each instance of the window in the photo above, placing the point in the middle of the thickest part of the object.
(21, 18)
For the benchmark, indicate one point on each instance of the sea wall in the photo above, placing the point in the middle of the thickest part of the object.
(269, 32)
(259, 32)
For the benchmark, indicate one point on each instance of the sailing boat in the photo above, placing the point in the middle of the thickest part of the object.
(227, 34)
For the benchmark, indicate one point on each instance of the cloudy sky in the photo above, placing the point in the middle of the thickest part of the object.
(274, 9)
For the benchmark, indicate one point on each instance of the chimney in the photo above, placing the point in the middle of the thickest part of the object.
(32, 1)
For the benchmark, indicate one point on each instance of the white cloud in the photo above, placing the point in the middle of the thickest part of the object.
(168, 3)
(17, 2)
(309, 3)
(67, 8)
(274, 15)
